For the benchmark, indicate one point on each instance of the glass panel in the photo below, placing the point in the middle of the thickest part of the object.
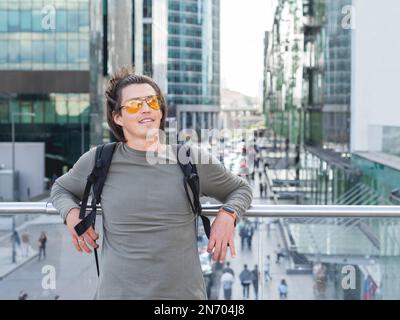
(73, 21)
(13, 21)
(50, 52)
(26, 107)
(74, 109)
(26, 20)
(14, 52)
(73, 51)
(350, 259)
(4, 112)
(61, 21)
(38, 109)
(26, 51)
(14, 107)
(61, 109)
(329, 259)
(61, 51)
(38, 52)
(3, 21)
(37, 20)
(83, 20)
(50, 113)
(83, 51)
(3, 52)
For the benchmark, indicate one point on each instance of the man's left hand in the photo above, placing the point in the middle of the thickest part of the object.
(221, 236)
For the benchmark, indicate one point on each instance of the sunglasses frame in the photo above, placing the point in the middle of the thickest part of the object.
(142, 100)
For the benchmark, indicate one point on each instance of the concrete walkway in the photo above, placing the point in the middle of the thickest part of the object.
(6, 264)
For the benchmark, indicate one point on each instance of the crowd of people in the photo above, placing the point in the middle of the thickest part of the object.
(249, 278)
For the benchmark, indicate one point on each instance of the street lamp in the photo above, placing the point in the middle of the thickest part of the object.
(13, 173)
(83, 131)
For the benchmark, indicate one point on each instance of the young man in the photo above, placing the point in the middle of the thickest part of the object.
(149, 248)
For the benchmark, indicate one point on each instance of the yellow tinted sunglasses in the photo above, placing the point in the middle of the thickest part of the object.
(134, 105)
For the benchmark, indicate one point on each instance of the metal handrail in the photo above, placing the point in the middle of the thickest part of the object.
(256, 210)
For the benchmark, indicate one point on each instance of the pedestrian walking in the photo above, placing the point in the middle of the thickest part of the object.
(17, 240)
(283, 289)
(246, 278)
(320, 279)
(280, 253)
(25, 246)
(265, 190)
(228, 269)
(227, 280)
(249, 234)
(243, 234)
(257, 162)
(255, 278)
(42, 245)
(261, 186)
(267, 268)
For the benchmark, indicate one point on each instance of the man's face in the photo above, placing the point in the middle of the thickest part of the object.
(146, 118)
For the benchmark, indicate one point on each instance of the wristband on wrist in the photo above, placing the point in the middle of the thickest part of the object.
(229, 212)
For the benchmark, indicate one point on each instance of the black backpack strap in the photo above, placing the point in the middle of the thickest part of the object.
(191, 179)
(96, 179)
(103, 163)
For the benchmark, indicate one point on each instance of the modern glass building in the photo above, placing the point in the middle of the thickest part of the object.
(327, 73)
(194, 62)
(55, 57)
(337, 75)
(329, 174)
(155, 41)
(44, 69)
(283, 70)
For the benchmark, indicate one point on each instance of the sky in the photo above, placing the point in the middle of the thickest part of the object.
(243, 23)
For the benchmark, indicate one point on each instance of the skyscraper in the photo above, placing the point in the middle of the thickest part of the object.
(194, 62)
(44, 69)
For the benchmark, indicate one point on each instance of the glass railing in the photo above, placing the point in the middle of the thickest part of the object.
(384, 139)
(319, 252)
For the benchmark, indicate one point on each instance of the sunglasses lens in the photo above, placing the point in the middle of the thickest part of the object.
(153, 103)
(133, 106)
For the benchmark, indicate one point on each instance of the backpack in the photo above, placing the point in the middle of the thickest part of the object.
(97, 177)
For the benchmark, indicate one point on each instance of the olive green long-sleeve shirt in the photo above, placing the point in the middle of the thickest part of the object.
(149, 248)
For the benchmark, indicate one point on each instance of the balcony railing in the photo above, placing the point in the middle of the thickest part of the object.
(256, 210)
(365, 237)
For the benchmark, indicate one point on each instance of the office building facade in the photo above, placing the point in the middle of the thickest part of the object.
(348, 105)
(55, 60)
(194, 63)
(45, 71)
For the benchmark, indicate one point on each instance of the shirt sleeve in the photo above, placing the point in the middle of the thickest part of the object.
(67, 190)
(221, 184)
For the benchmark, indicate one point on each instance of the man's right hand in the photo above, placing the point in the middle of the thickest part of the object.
(89, 237)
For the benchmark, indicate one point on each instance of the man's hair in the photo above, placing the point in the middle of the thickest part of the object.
(122, 78)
